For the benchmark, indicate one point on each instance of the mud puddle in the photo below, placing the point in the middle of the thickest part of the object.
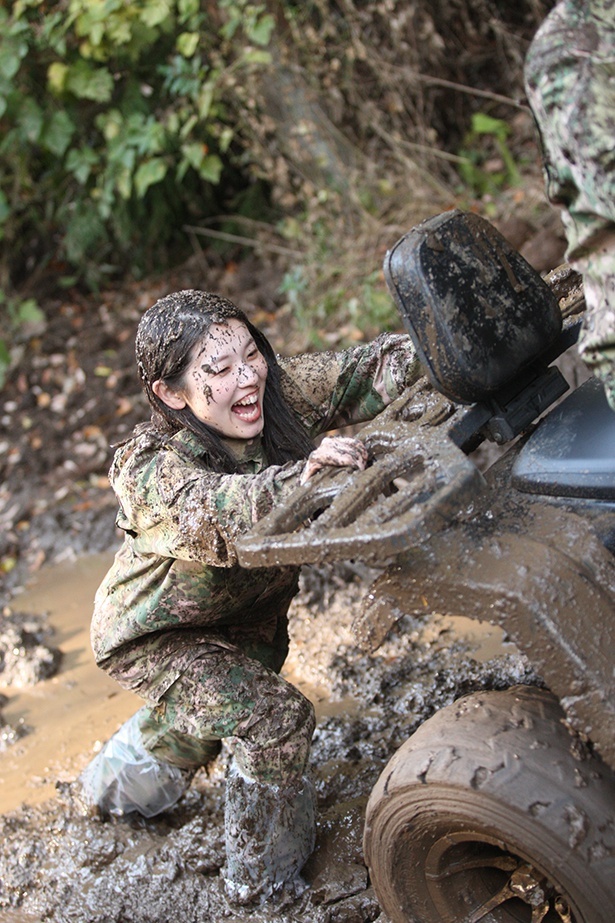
(64, 716)
(57, 865)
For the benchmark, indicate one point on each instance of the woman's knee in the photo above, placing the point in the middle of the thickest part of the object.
(275, 745)
(291, 717)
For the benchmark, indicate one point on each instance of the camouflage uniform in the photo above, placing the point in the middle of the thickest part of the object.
(201, 639)
(570, 82)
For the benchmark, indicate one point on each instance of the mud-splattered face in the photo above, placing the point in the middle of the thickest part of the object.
(224, 382)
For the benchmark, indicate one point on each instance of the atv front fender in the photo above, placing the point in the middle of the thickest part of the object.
(539, 572)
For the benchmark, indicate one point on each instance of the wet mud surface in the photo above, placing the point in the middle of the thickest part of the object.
(59, 864)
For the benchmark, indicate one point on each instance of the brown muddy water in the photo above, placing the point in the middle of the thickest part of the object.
(73, 712)
(58, 865)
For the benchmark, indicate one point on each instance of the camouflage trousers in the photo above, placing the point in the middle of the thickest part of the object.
(234, 693)
(230, 689)
(570, 83)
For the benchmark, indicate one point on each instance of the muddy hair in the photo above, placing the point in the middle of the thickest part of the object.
(166, 336)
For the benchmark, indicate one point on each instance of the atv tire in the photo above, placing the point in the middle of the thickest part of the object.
(494, 812)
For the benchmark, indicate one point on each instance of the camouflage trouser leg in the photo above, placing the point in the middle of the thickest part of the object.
(570, 82)
(171, 746)
(267, 723)
(270, 821)
(597, 339)
(270, 831)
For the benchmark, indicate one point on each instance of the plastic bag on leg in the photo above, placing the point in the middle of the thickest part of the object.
(124, 777)
(270, 832)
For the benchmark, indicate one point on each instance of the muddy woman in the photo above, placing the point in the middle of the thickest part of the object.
(177, 620)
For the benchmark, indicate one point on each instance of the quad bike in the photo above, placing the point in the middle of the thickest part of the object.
(501, 807)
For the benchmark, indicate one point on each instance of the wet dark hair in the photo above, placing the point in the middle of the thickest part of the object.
(166, 335)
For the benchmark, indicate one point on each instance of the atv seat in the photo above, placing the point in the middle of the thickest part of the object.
(476, 310)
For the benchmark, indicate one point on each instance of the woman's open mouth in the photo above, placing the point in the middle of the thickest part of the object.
(248, 409)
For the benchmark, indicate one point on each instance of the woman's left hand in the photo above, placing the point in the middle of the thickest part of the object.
(339, 451)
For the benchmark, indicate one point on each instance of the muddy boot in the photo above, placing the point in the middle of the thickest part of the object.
(270, 831)
(125, 777)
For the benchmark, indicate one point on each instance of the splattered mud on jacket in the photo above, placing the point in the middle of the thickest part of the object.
(570, 82)
(175, 584)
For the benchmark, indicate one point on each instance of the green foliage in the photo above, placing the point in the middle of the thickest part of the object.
(331, 307)
(487, 164)
(122, 122)
(95, 137)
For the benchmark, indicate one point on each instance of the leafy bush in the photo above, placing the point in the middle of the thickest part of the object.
(123, 122)
(113, 125)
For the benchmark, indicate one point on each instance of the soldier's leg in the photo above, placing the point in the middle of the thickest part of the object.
(148, 763)
(268, 725)
(265, 641)
(126, 776)
(169, 745)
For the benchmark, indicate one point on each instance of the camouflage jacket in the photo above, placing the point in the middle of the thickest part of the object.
(570, 83)
(176, 580)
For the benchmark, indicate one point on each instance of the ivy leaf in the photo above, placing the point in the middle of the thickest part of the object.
(9, 62)
(86, 82)
(13, 50)
(155, 12)
(57, 136)
(211, 168)
(80, 163)
(261, 31)
(149, 174)
(205, 99)
(56, 77)
(194, 153)
(30, 119)
(187, 43)
(187, 8)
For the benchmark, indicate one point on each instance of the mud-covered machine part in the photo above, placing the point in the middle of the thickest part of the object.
(494, 811)
(498, 810)
(419, 476)
(422, 500)
(476, 310)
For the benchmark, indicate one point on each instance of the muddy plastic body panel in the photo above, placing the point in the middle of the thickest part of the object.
(572, 453)
(475, 309)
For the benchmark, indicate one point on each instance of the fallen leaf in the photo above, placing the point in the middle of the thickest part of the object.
(124, 406)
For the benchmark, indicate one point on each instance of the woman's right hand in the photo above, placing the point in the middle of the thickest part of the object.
(339, 451)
